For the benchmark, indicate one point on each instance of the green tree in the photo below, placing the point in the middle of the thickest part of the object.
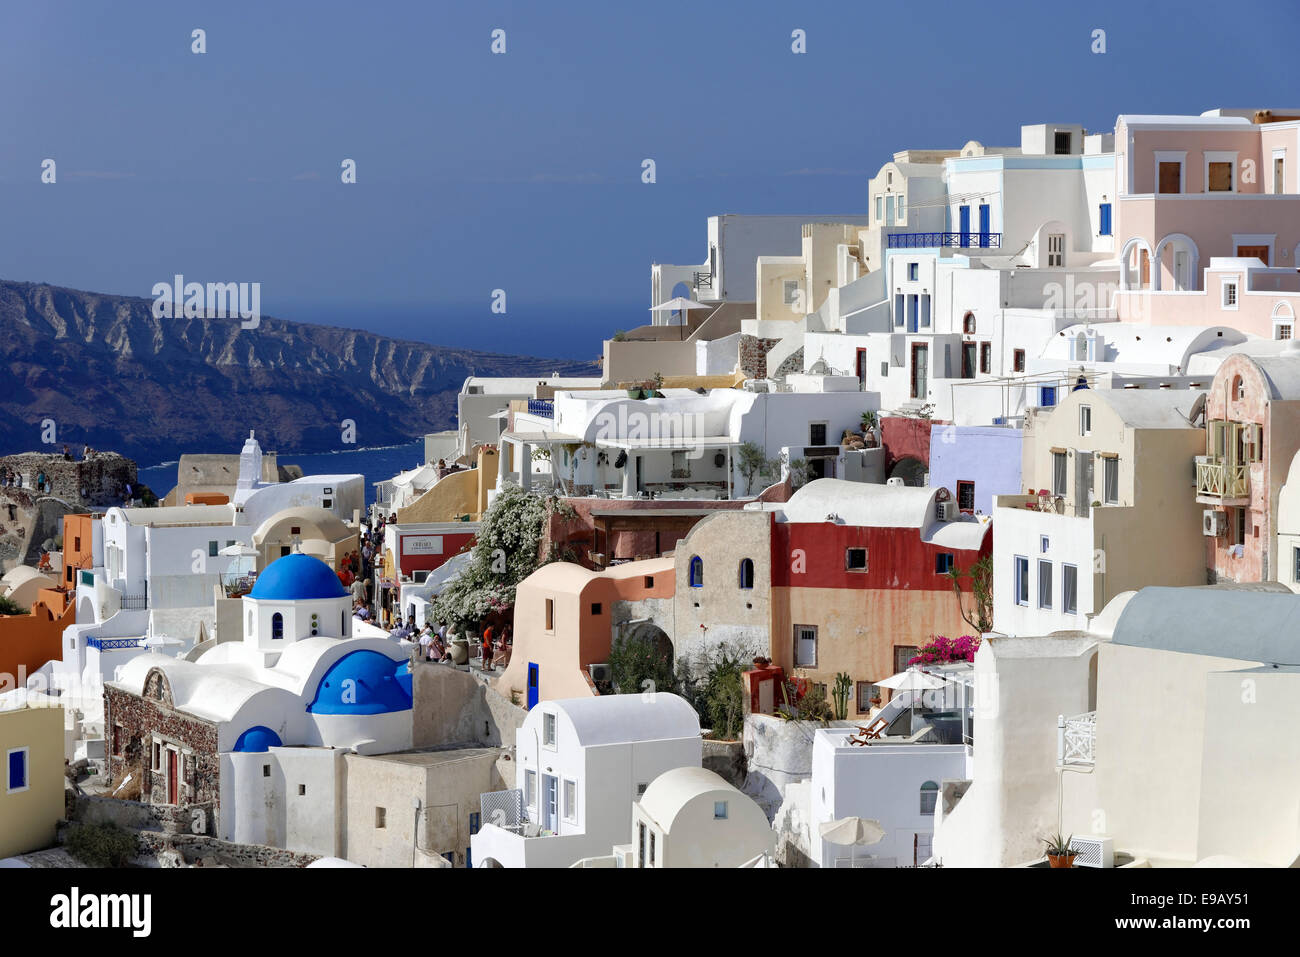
(638, 659)
(10, 607)
(507, 551)
(980, 614)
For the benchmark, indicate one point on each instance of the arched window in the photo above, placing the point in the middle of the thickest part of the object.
(697, 572)
(277, 625)
(968, 324)
(1238, 388)
(746, 573)
(929, 797)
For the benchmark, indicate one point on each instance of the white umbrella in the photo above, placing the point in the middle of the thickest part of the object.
(679, 304)
(158, 641)
(911, 680)
(853, 831)
(238, 551)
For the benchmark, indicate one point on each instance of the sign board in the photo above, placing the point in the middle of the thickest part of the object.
(421, 544)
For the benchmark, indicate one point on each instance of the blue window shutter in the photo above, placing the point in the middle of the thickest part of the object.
(1104, 219)
(17, 770)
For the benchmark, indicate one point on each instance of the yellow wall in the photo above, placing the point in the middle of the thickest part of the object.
(28, 818)
(457, 494)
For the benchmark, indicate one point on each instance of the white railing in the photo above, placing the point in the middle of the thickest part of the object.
(1076, 739)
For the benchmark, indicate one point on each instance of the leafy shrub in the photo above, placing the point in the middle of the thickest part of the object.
(942, 650)
(637, 659)
(10, 607)
(101, 845)
(712, 685)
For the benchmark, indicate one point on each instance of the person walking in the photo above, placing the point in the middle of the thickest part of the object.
(487, 648)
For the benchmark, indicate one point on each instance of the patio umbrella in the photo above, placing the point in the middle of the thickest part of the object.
(911, 680)
(159, 641)
(679, 304)
(853, 831)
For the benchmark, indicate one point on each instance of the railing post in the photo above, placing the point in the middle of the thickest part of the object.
(1060, 740)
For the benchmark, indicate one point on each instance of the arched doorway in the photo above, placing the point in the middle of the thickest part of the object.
(1176, 257)
(911, 470)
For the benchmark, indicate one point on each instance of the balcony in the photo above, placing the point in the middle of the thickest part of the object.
(967, 240)
(542, 408)
(1219, 482)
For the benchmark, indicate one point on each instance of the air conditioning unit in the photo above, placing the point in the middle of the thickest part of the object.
(946, 511)
(1093, 851)
(1213, 523)
(601, 672)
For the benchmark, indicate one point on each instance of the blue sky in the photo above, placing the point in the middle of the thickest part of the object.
(522, 171)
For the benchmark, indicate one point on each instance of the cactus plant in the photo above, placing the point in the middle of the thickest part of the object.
(841, 696)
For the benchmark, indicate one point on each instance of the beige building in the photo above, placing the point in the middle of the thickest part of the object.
(31, 777)
(1118, 513)
(417, 808)
(733, 604)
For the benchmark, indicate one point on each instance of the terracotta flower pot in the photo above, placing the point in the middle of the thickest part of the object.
(1060, 860)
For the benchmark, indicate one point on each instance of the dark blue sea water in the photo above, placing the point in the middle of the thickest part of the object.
(375, 464)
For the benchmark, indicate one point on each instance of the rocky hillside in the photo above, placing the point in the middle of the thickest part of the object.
(106, 372)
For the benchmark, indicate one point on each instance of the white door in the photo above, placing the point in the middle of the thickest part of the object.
(550, 803)
(1180, 269)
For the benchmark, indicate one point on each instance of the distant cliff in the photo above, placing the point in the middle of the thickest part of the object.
(108, 373)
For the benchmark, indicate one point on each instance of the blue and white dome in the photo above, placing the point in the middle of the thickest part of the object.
(257, 739)
(297, 577)
(362, 682)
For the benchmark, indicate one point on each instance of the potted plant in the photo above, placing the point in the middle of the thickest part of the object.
(1059, 852)
(634, 392)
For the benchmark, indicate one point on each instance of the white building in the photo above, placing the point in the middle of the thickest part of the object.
(580, 763)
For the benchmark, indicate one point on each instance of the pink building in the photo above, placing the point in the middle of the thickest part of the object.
(1207, 219)
(1252, 431)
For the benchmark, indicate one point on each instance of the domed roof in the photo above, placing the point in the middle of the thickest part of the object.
(297, 577)
(257, 739)
(362, 682)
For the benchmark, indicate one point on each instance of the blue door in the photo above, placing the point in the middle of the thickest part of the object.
(533, 685)
(963, 220)
(984, 224)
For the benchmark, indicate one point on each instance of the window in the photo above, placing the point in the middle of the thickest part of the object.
(640, 789)
(746, 573)
(277, 626)
(867, 692)
(965, 496)
(925, 310)
(16, 763)
(1069, 589)
(902, 209)
(1103, 219)
(1241, 527)
(805, 646)
(899, 314)
(790, 291)
(595, 608)
(1085, 420)
(550, 614)
(652, 848)
(880, 207)
(329, 503)
(929, 798)
(968, 324)
(697, 572)
(719, 810)
(157, 756)
(1022, 580)
(913, 271)
(212, 549)
(1061, 143)
(1018, 360)
(1055, 249)
(1047, 396)
(681, 466)
(381, 817)
(1281, 330)
(902, 655)
(1044, 584)
(1170, 177)
(548, 730)
(649, 581)
(1279, 167)
(302, 790)
(530, 788)
(640, 857)
(475, 821)
(855, 559)
(571, 801)
(1058, 473)
(943, 563)
(1110, 480)
(1230, 294)
(1218, 172)
(986, 357)
(1295, 564)
(817, 433)
(266, 770)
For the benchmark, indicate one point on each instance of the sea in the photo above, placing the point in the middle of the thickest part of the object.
(376, 464)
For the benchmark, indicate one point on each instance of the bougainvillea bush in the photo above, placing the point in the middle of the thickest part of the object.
(942, 650)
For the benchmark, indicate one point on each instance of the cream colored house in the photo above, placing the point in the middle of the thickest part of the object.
(1165, 731)
(1118, 514)
(31, 777)
(691, 817)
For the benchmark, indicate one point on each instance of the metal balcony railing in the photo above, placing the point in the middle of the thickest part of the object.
(542, 408)
(113, 644)
(1217, 479)
(967, 240)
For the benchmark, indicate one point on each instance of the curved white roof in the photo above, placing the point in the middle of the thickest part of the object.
(862, 504)
(1135, 344)
(330, 527)
(620, 718)
(1146, 408)
(673, 790)
(211, 693)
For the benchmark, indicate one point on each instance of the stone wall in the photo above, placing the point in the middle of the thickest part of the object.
(140, 816)
(793, 364)
(753, 356)
(173, 850)
(454, 707)
(133, 718)
(726, 759)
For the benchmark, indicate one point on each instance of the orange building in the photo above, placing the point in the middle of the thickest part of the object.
(29, 641)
